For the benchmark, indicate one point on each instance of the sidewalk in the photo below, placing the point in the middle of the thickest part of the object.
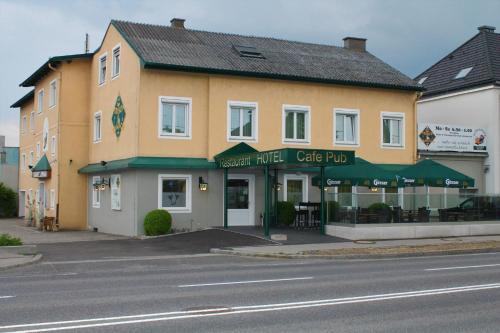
(370, 248)
(15, 256)
(29, 235)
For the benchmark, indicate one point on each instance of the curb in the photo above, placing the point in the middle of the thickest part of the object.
(347, 256)
(36, 258)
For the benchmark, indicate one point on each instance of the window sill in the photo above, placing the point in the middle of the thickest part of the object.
(387, 146)
(175, 137)
(94, 206)
(101, 84)
(172, 210)
(52, 106)
(236, 139)
(97, 141)
(296, 142)
(345, 144)
(115, 76)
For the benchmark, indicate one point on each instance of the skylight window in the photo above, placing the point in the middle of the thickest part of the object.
(463, 73)
(248, 51)
(422, 80)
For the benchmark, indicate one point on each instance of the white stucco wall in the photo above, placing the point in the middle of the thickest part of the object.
(476, 108)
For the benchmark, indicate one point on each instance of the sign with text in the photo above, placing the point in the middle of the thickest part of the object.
(40, 174)
(292, 156)
(437, 137)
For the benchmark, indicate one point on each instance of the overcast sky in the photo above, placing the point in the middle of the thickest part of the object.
(409, 35)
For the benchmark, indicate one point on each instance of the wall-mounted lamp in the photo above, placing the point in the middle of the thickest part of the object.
(277, 186)
(30, 167)
(202, 185)
(374, 189)
(101, 184)
(103, 163)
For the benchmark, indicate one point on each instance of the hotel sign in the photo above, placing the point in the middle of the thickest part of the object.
(292, 156)
(40, 174)
(437, 137)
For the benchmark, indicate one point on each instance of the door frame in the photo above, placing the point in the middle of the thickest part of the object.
(251, 195)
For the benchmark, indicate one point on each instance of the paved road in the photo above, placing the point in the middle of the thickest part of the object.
(210, 293)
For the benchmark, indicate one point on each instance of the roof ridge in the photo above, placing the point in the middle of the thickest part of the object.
(233, 34)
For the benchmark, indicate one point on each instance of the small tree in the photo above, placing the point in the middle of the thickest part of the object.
(157, 222)
(8, 201)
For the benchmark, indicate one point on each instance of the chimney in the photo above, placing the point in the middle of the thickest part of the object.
(486, 28)
(355, 44)
(177, 23)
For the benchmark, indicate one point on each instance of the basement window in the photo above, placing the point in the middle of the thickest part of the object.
(248, 51)
(463, 73)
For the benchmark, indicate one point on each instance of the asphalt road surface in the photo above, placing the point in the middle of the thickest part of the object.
(216, 293)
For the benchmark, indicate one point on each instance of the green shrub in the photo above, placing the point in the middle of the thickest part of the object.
(157, 222)
(8, 201)
(8, 240)
(379, 206)
(286, 213)
(332, 209)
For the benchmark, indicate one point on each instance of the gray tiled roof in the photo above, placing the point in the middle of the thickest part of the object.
(191, 50)
(481, 52)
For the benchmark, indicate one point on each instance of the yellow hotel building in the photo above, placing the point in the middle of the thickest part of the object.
(108, 136)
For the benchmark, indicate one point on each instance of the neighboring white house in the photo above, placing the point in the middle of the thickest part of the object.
(459, 113)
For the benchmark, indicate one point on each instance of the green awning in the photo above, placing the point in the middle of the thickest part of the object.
(149, 163)
(431, 173)
(362, 173)
(240, 148)
(42, 165)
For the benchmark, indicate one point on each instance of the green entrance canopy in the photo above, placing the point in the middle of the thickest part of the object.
(244, 156)
(362, 173)
(431, 173)
(42, 165)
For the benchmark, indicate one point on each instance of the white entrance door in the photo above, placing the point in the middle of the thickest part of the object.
(241, 200)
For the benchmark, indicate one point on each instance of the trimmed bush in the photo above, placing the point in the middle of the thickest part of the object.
(286, 213)
(8, 240)
(333, 209)
(383, 210)
(8, 201)
(157, 222)
(379, 206)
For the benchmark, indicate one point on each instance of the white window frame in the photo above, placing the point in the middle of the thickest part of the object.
(305, 185)
(32, 158)
(52, 93)
(189, 120)
(255, 123)
(100, 80)
(53, 145)
(114, 74)
(38, 149)
(463, 73)
(32, 121)
(97, 139)
(24, 124)
(392, 115)
(188, 178)
(299, 108)
(23, 161)
(52, 199)
(96, 194)
(357, 137)
(39, 101)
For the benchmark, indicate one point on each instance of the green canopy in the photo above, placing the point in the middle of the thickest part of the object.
(361, 173)
(42, 165)
(431, 173)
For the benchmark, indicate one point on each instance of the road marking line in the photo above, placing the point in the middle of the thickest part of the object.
(166, 316)
(460, 267)
(120, 259)
(36, 275)
(244, 282)
(7, 296)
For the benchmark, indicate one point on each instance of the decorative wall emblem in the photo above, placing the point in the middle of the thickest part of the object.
(45, 135)
(427, 136)
(118, 116)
